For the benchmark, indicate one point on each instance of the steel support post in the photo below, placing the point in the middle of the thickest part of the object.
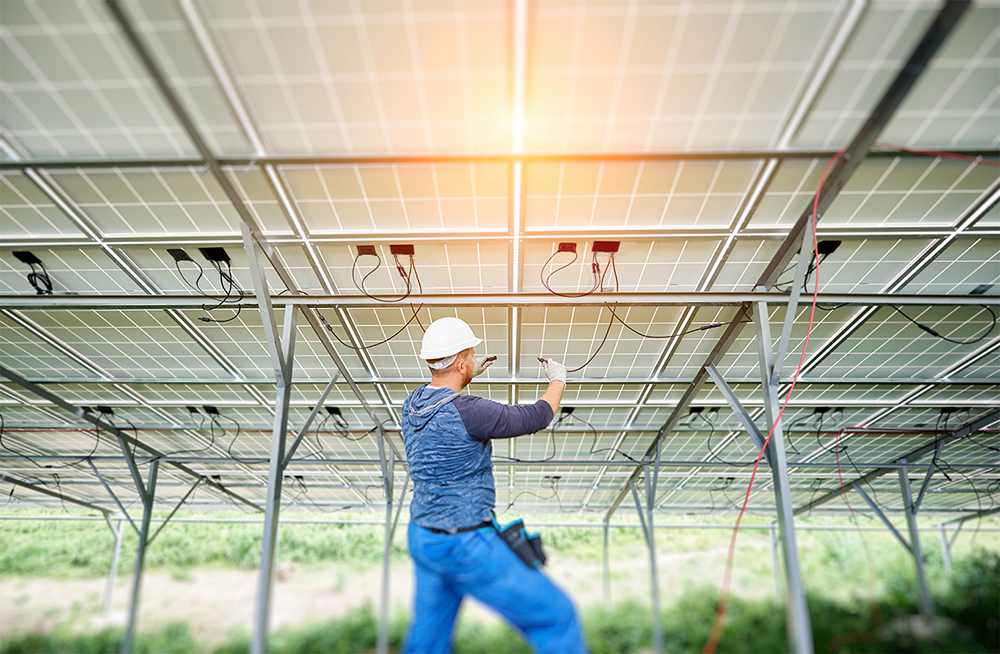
(779, 590)
(148, 493)
(651, 486)
(282, 351)
(388, 464)
(799, 625)
(606, 564)
(109, 586)
(926, 601)
(945, 550)
(646, 519)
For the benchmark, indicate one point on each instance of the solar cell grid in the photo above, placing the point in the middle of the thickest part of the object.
(330, 79)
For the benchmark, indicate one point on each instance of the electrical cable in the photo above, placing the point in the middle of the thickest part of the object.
(595, 268)
(979, 502)
(712, 454)
(935, 153)
(50, 466)
(553, 485)
(593, 445)
(404, 273)
(226, 282)
(552, 441)
(40, 281)
(214, 417)
(599, 282)
(945, 338)
(211, 443)
(329, 328)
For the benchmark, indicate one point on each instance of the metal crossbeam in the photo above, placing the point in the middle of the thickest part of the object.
(336, 159)
(958, 434)
(116, 302)
(122, 436)
(62, 497)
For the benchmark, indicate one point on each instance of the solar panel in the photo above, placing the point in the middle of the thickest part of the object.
(339, 126)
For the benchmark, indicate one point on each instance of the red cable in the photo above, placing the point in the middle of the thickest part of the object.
(720, 616)
(935, 153)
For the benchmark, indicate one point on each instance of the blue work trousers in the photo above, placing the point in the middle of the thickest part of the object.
(480, 564)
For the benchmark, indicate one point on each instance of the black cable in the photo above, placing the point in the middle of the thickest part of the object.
(9, 449)
(226, 278)
(861, 476)
(135, 431)
(211, 443)
(553, 485)
(676, 334)
(713, 455)
(593, 445)
(969, 436)
(402, 273)
(41, 281)
(229, 448)
(552, 440)
(991, 488)
(598, 283)
(945, 338)
(979, 502)
(603, 341)
(226, 282)
(49, 466)
(329, 328)
(595, 268)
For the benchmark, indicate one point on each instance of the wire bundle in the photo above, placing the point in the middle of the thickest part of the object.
(227, 284)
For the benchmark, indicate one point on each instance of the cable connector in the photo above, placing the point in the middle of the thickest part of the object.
(928, 329)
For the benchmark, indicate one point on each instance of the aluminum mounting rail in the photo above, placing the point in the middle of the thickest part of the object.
(622, 300)
(330, 159)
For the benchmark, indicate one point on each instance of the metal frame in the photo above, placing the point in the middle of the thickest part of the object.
(517, 162)
(112, 302)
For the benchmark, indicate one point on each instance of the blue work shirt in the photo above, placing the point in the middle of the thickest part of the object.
(447, 437)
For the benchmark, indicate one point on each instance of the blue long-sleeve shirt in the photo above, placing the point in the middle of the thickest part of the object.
(447, 437)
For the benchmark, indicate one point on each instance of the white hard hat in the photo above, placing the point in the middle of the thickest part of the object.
(445, 337)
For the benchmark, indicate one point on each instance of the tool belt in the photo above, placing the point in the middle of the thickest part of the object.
(527, 546)
(460, 530)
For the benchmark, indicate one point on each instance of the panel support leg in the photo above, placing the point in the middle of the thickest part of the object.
(109, 587)
(140, 558)
(606, 564)
(388, 462)
(281, 347)
(646, 519)
(800, 627)
(926, 601)
(945, 550)
(779, 590)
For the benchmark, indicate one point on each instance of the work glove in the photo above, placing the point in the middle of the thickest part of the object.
(481, 363)
(554, 370)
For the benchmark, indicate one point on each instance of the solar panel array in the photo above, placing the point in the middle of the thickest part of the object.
(693, 133)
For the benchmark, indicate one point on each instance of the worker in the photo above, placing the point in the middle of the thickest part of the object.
(455, 548)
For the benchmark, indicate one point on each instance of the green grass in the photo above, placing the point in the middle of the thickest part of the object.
(55, 548)
(969, 606)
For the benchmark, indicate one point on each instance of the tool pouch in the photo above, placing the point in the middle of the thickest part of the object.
(525, 545)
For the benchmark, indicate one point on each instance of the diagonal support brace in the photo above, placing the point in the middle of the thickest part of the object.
(882, 516)
(739, 410)
(305, 427)
(107, 487)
